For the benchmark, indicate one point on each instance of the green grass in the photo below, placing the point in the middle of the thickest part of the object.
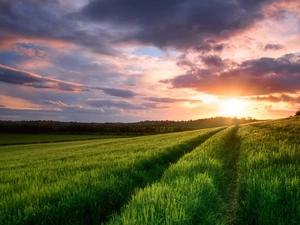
(269, 173)
(235, 176)
(195, 190)
(12, 139)
(83, 182)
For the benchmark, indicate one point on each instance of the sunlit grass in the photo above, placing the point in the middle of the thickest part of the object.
(248, 175)
(193, 191)
(10, 139)
(83, 182)
(269, 177)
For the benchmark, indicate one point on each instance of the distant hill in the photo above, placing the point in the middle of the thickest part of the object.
(161, 126)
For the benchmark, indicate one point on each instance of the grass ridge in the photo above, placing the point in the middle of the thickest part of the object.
(269, 172)
(192, 191)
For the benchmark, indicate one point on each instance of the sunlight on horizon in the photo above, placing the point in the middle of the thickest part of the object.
(234, 107)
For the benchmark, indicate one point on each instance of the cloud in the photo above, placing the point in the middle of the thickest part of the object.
(66, 114)
(184, 61)
(210, 45)
(212, 60)
(59, 103)
(151, 105)
(101, 24)
(47, 21)
(30, 51)
(172, 100)
(115, 104)
(273, 47)
(13, 76)
(129, 106)
(276, 99)
(118, 92)
(251, 77)
(176, 23)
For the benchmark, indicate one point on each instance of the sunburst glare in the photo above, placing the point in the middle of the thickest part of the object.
(233, 107)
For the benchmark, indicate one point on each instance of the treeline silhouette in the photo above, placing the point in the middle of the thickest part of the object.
(161, 126)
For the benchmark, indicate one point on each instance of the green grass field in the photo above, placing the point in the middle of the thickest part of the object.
(269, 173)
(83, 182)
(245, 174)
(13, 139)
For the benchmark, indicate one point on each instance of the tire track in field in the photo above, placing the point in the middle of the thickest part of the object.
(232, 200)
(150, 171)
(219, 169)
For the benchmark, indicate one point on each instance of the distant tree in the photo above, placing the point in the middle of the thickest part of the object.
(298, 113)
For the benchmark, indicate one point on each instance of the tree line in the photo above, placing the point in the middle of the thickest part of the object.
(160, 126)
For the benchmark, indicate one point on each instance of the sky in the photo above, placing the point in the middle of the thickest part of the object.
(135, 60)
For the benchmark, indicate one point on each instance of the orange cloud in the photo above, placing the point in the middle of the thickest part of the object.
(17, 103)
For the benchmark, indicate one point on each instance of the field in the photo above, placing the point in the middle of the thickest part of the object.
(13, 139)
(247, 174)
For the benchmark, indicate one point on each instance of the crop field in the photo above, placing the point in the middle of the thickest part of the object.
(246, 174)
(12, 139)
(83, 182)
(269, 173)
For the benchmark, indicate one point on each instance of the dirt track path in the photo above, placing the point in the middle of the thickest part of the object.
(232, 200)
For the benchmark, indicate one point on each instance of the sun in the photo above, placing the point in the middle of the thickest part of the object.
(233, 107)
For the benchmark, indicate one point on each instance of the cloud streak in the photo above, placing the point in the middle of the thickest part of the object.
(17, 77)
(171, 100)
(114, 104)
(276, 99)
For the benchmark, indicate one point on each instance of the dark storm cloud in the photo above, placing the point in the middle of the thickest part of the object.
(171, 100)
(29, 19)
(115, 104)
(46, 20)
(252, 77)
(13, 76)
(176, 23)
(273, 47)
(197, 24)
(280, 98)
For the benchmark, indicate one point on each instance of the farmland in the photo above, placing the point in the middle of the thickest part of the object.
(83, 182)
(247, 174)
(13, 139)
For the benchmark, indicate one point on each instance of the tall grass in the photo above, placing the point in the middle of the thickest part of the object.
(249, 175)
(83, 182)
(269, 173)
(195, 190)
